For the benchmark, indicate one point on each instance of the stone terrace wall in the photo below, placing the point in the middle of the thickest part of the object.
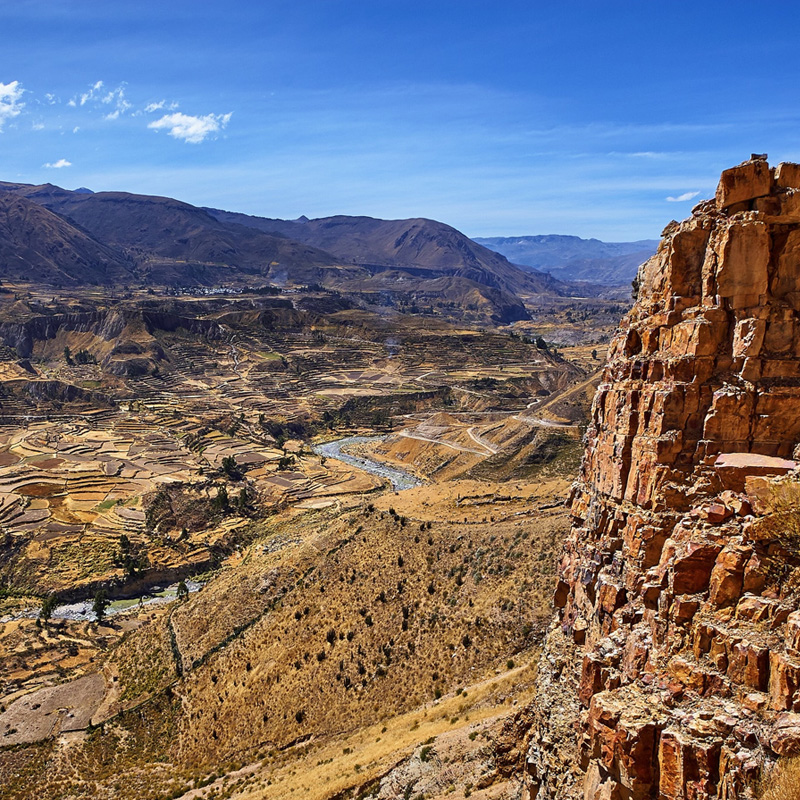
(674, 668)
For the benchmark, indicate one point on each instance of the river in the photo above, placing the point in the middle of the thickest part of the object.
(82, 610)
(399, 478)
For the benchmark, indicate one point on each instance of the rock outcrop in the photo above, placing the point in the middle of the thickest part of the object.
(673, 670)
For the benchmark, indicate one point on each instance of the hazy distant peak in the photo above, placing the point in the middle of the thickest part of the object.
(572, 258)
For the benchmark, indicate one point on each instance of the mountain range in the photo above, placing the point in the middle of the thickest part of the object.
(59, 237)
(570, 258)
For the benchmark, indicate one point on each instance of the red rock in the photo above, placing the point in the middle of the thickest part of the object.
(691, 569)
(717, 512)
(591, 678)
(793, 633)
(735, 468)
(785, 738)
(784, 682)
(748, 664)
(747, 181)
(727, 577)
(684, 609)
(748, 337)
(787, 175)
(561, 594)
(694, 427)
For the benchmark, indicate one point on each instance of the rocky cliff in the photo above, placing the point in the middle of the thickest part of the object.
(673, 669)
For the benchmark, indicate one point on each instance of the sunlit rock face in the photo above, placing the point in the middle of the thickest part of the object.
(673, 669)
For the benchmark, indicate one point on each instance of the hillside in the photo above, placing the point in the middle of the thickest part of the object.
(174, 242)
(37, 245)
(570, 258)
(422, 247)
(414, 263)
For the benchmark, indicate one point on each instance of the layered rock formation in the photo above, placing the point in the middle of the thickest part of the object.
(674, 669)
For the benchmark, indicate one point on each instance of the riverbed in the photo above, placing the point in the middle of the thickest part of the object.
(82, 610)
(400, 479)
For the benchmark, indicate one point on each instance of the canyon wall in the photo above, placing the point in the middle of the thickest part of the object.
(673, 669)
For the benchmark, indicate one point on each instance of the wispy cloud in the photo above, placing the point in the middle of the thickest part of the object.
(10, 101)
(60, 164)
(150, 108)
(94, 92)
(98, 95)
(191, 129)
(682, 197)
(117, 97)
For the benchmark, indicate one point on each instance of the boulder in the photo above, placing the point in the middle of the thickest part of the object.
(747, 181)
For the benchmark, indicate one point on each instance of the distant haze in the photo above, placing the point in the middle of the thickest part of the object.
(571, 258)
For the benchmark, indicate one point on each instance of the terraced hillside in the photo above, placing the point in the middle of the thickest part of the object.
(326, 620)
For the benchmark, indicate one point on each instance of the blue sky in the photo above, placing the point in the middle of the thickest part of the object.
(500, 118)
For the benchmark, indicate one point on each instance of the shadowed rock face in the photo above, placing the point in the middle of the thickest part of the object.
(672, 671)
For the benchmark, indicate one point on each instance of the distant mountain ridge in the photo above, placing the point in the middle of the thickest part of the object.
(417, 244)
(570, 258)
(117, 237)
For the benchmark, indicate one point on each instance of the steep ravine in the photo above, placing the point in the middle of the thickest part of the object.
(672, 670)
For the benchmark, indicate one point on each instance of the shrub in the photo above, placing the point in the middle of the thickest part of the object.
(783, 783)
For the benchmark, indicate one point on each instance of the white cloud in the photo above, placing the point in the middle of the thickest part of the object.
(151, 107)
(51, 98)
(681, 197)
(93, 92)
(10, 101)
(60, 164)
(75, 129)
(99, 95)
(38, 126)
(191, 129)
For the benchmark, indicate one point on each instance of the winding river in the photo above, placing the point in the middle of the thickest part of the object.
(399, 478)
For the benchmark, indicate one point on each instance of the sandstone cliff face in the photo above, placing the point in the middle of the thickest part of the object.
(674, 669)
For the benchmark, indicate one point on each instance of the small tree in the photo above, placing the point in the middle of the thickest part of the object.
(182, 592)
(221, 502)
(68, 357)
(100, 604)
(48, 606)
(231, 468)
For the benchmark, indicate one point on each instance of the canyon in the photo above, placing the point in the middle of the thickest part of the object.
(349, 637)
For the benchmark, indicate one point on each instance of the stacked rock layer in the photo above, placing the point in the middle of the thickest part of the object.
(674, 669)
